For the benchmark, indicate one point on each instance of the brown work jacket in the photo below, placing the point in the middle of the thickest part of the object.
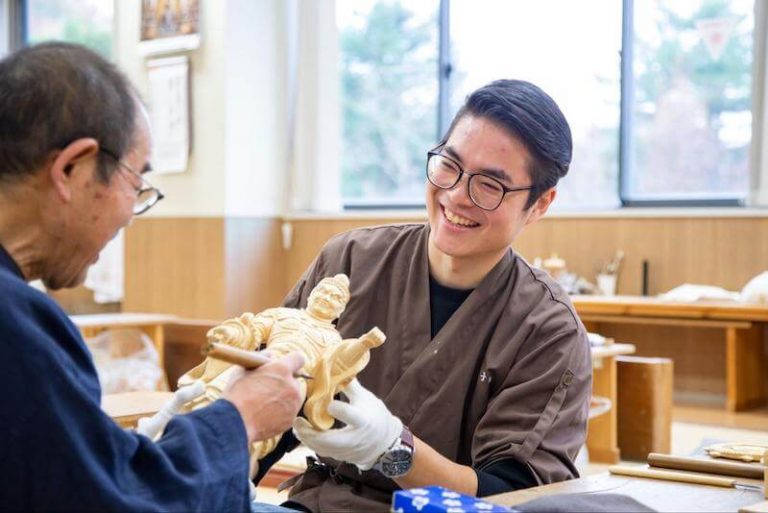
(508, 376)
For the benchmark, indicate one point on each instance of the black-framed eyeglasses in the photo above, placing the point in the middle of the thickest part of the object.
(485, 191)
(146, 194)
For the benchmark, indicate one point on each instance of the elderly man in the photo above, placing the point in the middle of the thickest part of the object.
(74, 146)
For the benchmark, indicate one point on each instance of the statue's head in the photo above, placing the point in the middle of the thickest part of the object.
(329, 298)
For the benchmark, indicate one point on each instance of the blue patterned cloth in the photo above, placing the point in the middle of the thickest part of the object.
(436, 499)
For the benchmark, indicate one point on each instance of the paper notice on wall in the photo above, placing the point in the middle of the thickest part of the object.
(168, 104)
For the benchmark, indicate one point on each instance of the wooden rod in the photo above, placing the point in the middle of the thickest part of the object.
(726, 468)
(666, 475)
(237, 356)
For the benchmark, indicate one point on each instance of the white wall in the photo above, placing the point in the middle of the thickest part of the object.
(239, 109)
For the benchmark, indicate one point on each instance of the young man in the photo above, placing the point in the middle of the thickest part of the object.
(485, 376)
(74, 146)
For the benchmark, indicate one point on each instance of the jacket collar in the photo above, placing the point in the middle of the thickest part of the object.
(8, 263)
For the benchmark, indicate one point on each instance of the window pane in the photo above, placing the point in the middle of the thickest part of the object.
(691, 109)
(88, 22)
(571, 50)
(389, 98)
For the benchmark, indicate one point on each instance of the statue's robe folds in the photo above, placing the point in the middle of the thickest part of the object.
(507, 377)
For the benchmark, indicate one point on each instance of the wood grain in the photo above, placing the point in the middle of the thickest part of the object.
(644, 406)
(176, 266)
(707, 465)
(720, 251)
(210, 268)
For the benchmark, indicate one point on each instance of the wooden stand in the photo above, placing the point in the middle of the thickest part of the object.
(602, 441)
(644, 406)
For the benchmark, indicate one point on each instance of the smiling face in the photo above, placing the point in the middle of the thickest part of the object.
(462, 231)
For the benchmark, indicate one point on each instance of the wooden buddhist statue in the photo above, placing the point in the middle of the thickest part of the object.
(329, 360)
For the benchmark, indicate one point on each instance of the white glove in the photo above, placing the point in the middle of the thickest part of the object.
(370, 429)
(153, 426)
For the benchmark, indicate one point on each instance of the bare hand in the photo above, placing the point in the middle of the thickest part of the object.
(268, 398)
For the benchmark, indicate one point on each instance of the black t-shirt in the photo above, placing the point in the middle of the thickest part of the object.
(504, 475)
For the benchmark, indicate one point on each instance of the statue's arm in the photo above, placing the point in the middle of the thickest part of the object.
(261, 325)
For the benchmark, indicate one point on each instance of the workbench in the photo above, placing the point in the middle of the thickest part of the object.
(742, 328)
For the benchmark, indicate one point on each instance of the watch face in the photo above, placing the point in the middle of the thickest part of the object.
(397, 462)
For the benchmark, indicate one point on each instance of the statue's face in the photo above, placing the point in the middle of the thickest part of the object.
(327, 301)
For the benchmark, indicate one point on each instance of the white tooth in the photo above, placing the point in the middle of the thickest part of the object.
(454, 218)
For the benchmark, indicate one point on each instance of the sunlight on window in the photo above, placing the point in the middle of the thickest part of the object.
(691, 113)
(389, 98)
(569, 49)
(88, 22)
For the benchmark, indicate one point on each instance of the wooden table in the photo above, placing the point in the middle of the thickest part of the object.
(743, 327)
(151, 324)
(602, 437)
(128, 407)
(659, 495)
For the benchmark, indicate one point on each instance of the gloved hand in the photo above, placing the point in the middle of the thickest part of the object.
(370, 429)
(153, 426)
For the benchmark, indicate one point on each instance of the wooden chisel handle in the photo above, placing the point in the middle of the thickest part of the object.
(246, 359)
(728, 468)
(666, 475)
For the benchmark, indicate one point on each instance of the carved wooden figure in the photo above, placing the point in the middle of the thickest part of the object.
(331, 361)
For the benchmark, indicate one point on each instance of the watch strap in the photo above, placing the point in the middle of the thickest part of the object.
(406, 438)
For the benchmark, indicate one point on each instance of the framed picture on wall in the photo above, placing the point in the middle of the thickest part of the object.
(169, 26)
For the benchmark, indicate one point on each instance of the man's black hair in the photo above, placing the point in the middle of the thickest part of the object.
(54, 93)
(530, 115)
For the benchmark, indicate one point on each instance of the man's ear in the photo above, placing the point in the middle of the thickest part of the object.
(66, 161)
(541, 206)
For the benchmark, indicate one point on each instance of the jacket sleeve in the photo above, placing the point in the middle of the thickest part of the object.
(61, 452)
(539, 414)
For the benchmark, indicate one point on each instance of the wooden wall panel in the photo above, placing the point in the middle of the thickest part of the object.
(255, 265)
(309, 236)
(721, 251)
(79, 300)
(209, 268)
(176, 266)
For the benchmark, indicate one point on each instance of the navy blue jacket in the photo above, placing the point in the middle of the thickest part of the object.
(59, 451)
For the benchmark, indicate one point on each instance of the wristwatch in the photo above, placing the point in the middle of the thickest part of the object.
(398, 459)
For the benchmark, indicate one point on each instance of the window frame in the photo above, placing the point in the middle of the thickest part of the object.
(626, 126)
(21, 22)
(13, 18)
(626, 129)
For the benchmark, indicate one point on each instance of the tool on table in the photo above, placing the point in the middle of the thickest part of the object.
(727, 468)
(682, 477)
(246, 359)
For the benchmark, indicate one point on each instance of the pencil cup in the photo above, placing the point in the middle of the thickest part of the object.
(606, 284)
